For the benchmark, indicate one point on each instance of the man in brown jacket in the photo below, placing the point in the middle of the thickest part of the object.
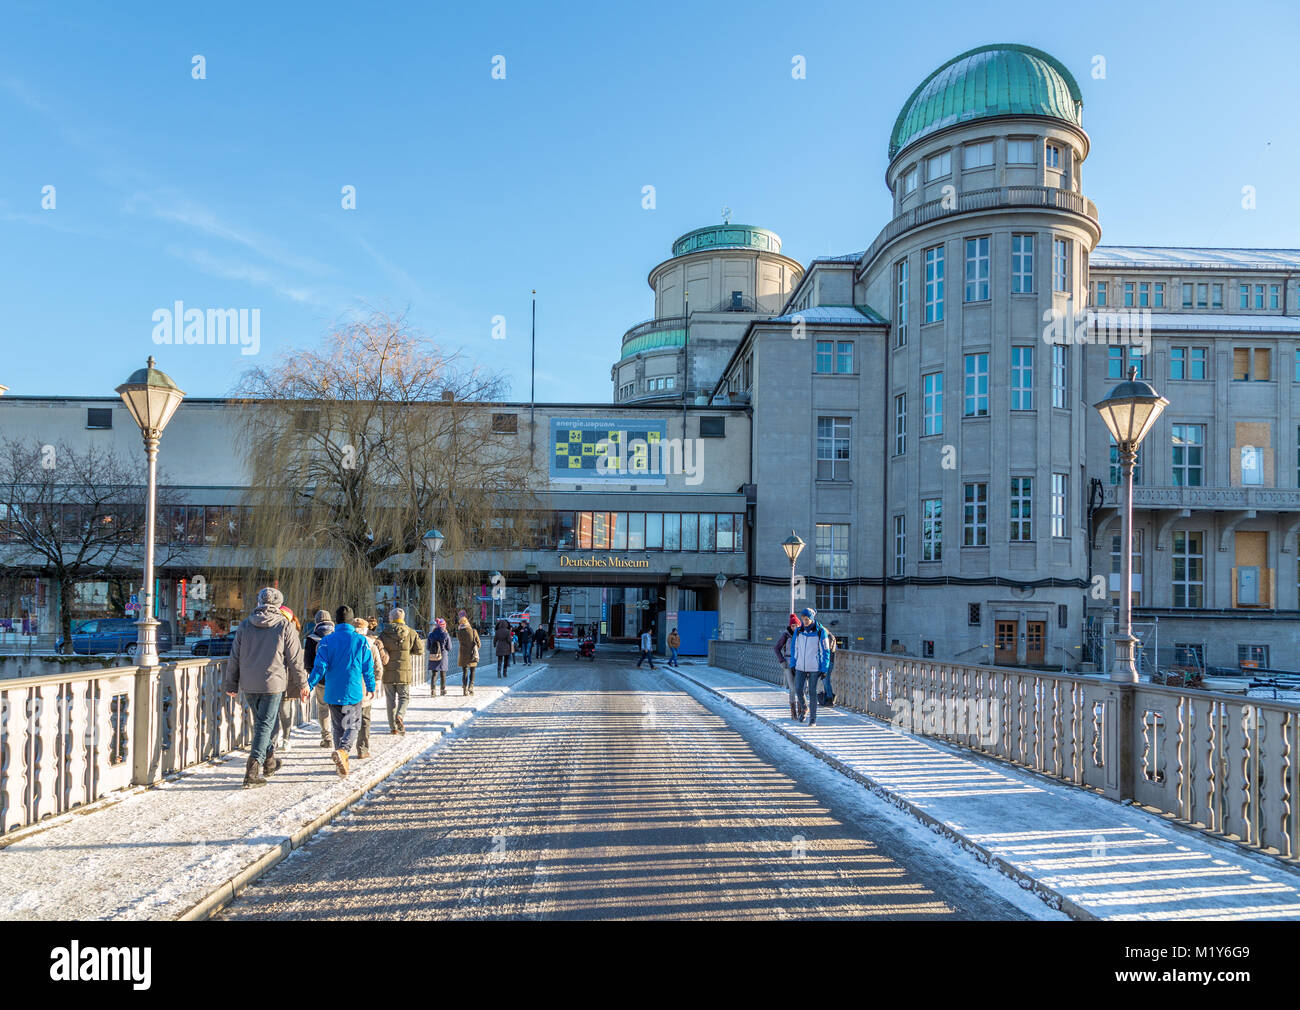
(401, 643)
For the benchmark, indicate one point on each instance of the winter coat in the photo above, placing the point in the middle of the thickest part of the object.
(346, 663)
(440, 641)
(265, 656)
(469, 643)
(781, 643)
(525, 634)
(378, 652)
(674, 640)
(402, 643)
(309, 650)
(814, 636)
(501, 640)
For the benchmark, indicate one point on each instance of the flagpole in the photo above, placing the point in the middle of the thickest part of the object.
(532, 385)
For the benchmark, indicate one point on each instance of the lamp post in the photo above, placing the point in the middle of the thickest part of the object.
(494, 580)
(792, 545)
(152, 399)
(433, 541)
(1130, 411)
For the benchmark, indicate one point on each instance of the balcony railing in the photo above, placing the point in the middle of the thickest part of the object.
(654, 325)
(1176, 497)
(996, 198)
(1219, 763)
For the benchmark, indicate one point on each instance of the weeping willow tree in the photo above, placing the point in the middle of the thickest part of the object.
(355, 449)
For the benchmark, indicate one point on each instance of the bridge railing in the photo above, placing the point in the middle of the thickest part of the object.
(1221, 763)
(68, 739)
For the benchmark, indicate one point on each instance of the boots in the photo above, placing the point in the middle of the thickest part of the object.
(341, 762)
(271, 764)
(253, 774)
(794, 711)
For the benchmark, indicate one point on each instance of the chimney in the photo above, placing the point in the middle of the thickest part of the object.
(448, 396)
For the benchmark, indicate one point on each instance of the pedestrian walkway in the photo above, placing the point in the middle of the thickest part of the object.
(156, 853)
(1090, 856)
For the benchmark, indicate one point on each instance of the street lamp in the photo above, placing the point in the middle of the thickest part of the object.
(494, 580)
(433, 541)
(720, 581)
(792, 545)
(1130, 411)
(152, 399)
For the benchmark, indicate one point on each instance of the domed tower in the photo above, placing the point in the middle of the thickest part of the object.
(723, 276)
(985, 487)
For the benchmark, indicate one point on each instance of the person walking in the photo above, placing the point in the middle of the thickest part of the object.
(539, 640)
(345, 665)
(647, 644)
(284, 727)
(265, 662)
(439, 656)
(796, 708)
(674, 643)
(827, 697)
(810, 657)
(401, 643)
(366, 626)
(468, 644)
(502, 645)
(322, 625)
(526, 641)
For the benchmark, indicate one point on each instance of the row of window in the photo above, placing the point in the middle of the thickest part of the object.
(644, 531)
(977, 276)
(1199, 295)
(980, 154)
(628, 389)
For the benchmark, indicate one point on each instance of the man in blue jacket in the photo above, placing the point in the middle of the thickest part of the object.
(344, 661)
(810, 658)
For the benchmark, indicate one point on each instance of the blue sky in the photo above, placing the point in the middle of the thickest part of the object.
(225, 192)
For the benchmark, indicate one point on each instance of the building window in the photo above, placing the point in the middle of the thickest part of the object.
(1187, 296)
(505, 424)
(900, 314)
(1178, 362)
(713, 427)
(1252, 364)
(910, 179)
(1116, 567)
(900, 424)
(1190, 654)
(99, 417)
(932, 405)
(977, 269)
(1252, 466)
(1188, 362)
(1189, 569)
(1216, 296)
(1189, 449)
(1062, 615)
(1130, 294)
(932, 529)
(1060, 264)
(833, 448)
(927, 648)
(822, 363)
(1022, 378)
(1022, 264)
(1100, 299)
(1115, 365)
(1252, 657)
(973, 614)
(1259, 296)
(832, 562)
(1274, 296)
(1297, 366)
(977, 385)
(1116, 470)
(1058, 375)
(938, 165)
(1059, 483)
(1053, 156)
(978, 155)
(934, 284)
(844, 357)
(900, 544)
(1144, 295)
(1202, 296)
(1160, 296)
(975, 515)
(1244, 290)
(1022, 508)
(1020, 152)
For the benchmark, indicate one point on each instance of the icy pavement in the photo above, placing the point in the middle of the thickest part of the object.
(157, 852)
(1107, 860)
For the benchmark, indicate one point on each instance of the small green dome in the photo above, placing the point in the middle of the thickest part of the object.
(998, 80)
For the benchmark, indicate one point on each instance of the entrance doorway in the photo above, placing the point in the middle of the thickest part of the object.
(1004, 653)
(1035, 642)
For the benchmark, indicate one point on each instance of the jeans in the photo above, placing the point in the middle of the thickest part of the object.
(285, 725)
(672, 659)
(322, 711)
(503, 663)
(789, 686)
(397, 695)
(528, 651)
(808, 677)
(645, 655)
(436, 674)
(345, 721)
(266, 714)
(826, 689)
(466, 677)
(363, 733)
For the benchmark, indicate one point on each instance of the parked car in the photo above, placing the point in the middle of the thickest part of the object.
(217, 645)
(113, 635)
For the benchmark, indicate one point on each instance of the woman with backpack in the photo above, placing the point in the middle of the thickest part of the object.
(439, 656)
(468, 644)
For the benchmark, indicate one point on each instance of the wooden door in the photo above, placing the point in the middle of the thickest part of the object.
(1005, 643)
(1035, 642)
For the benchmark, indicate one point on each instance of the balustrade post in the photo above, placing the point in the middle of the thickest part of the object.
(146, 726)
(1120, 733)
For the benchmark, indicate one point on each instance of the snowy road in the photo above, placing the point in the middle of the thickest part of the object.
(597, 791)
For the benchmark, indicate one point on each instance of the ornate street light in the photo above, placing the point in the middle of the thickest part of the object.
(792, 545)
(720, 581)
(152, 399)
(1130, 411)
(433, 541)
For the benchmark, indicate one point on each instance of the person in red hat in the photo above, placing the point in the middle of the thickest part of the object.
(796, 706)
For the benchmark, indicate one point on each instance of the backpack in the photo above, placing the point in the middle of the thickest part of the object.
(435, 649)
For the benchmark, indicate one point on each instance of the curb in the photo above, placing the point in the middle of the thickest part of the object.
(228, 890)
(1050, 896)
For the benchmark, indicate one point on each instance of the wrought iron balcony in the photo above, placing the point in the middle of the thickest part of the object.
(1176, 497)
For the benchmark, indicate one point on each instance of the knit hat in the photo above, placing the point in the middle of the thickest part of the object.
(321, 615)
(269, 596)
(397, 614)
(793, 620)
(343, 615)
(808, 612)
(441, 622)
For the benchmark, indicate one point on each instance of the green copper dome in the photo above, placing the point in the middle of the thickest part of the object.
(999, 80)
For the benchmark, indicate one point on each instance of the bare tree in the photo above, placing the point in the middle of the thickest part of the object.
(71, 514)
(355, 449)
